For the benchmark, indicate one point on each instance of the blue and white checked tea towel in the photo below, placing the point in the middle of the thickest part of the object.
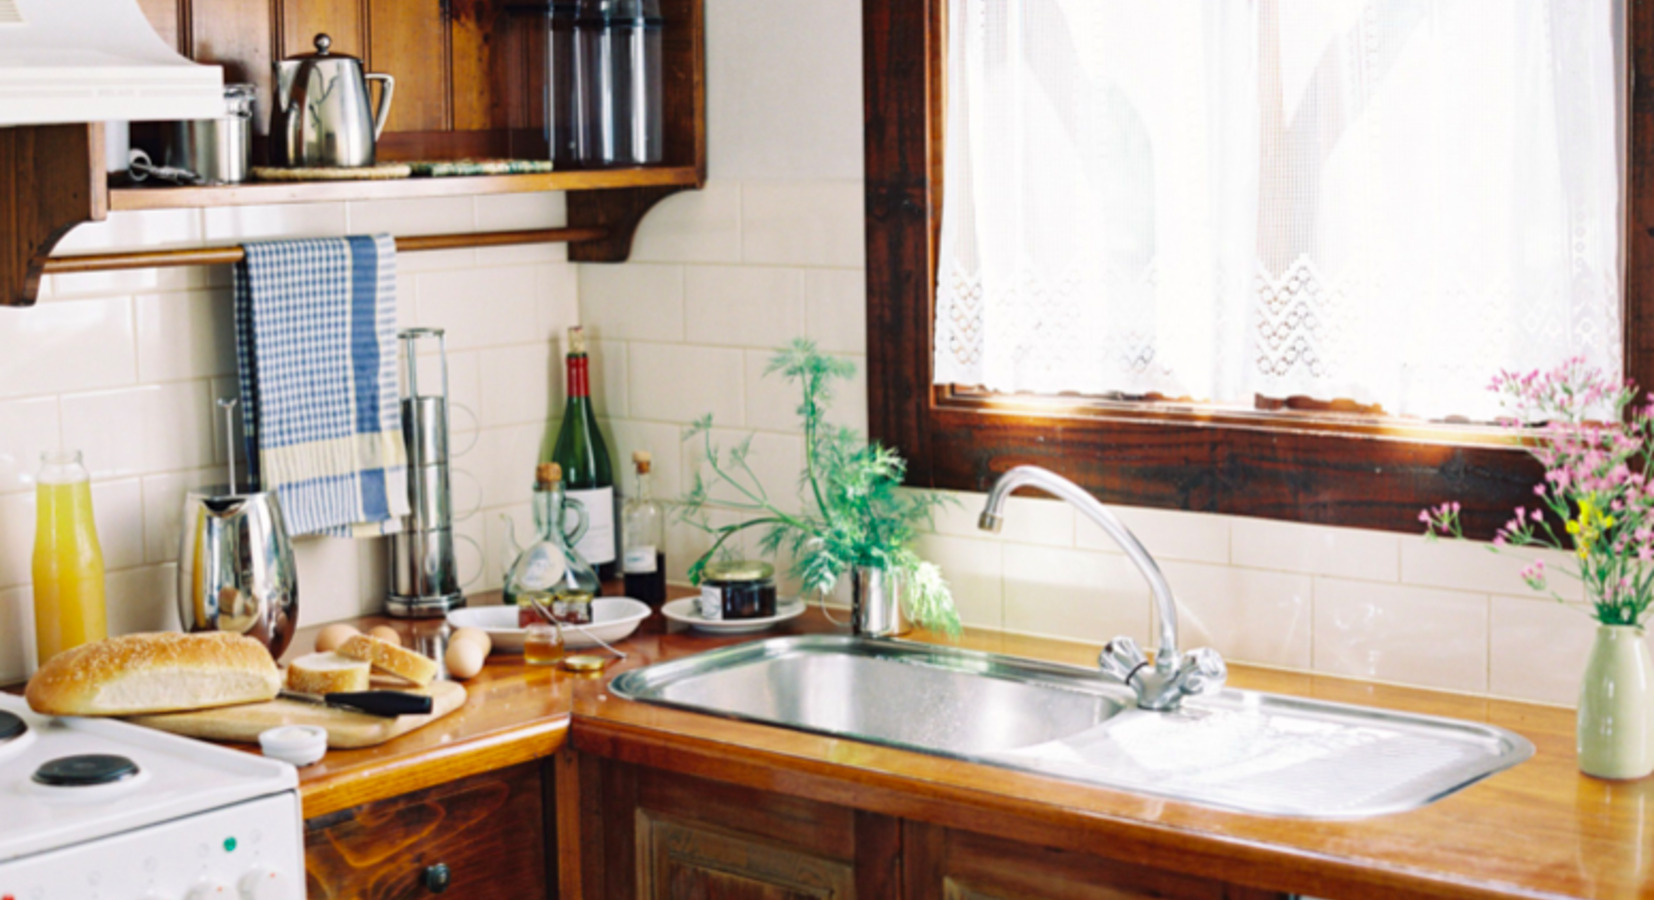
(315, 325)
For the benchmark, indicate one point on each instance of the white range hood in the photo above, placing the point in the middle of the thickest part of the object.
(96, 61)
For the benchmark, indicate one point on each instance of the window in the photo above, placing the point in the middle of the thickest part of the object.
(1203, 423)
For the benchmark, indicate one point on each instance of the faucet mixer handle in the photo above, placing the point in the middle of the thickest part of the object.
(1201, 671)
(1121, 658)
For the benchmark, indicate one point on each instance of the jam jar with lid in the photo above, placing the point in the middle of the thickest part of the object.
(737, 589)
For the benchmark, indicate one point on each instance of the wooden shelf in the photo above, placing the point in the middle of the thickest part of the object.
(139, 198)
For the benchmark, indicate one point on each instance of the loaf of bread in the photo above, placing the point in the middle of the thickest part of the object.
(327, 673)
(388, 657)
(154, 673)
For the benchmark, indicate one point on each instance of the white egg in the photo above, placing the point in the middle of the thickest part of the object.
(465, 658)
(476, 636)
(330, 637)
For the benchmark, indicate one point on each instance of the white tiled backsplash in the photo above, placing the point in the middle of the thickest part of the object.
(124, 366)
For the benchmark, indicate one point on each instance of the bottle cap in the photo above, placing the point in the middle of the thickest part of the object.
(547, 474)
(577, 341)
(643, 460)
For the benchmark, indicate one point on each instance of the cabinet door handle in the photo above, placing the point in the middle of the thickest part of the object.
(437, 878)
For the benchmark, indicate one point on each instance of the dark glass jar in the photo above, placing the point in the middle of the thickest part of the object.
(739, 589)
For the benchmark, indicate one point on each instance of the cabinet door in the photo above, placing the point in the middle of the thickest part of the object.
(478, 838)
(945, 864)
(683, 860)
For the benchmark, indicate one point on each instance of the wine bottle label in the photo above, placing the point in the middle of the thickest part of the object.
(640, 560)
(712, 603)
(597, 545)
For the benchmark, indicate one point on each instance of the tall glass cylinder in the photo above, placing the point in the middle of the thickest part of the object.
(69, 608)
(620, 55)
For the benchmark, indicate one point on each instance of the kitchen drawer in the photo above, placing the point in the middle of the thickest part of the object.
(485, 833)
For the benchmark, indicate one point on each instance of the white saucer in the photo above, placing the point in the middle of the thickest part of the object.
(613, 619)
(687, 611)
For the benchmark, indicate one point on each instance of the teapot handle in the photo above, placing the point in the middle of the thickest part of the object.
(388, 90)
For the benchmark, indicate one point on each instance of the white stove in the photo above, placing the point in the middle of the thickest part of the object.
(95, 809)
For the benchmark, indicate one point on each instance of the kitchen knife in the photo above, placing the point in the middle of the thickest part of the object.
(388, 704)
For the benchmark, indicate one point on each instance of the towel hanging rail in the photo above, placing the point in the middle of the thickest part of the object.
(209, 256)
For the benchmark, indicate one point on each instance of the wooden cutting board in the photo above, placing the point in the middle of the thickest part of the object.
(345, 729)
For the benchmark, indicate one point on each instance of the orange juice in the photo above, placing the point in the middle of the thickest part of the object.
(68, 563)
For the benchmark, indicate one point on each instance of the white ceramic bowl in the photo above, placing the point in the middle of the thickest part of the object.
(613, 619)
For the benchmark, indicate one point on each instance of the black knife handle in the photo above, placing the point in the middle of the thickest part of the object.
(384, 703)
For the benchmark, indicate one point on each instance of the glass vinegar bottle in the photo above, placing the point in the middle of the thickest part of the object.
(549, 570)
(643, 530)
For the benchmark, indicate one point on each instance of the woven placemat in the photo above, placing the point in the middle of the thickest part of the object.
(382, 172)
(440, 168)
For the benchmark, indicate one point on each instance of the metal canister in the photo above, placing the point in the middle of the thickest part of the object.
(216, 149)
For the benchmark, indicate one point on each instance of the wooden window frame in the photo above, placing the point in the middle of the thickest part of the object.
(1307, 468)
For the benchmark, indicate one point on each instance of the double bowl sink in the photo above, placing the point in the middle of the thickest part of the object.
(1237, 750)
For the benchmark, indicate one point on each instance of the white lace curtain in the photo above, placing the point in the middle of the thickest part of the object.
(1380, 200)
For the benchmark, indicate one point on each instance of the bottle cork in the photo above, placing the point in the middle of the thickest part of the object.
(577, 341)
(547, 474)
(642, 459)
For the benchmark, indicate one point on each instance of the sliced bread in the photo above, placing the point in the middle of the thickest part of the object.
(388, 657)
(327, 673)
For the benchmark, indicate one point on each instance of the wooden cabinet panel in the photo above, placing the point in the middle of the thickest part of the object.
(409, 41)
(237, 34)
(302, 20)
(488, 830)
(680, 860)
(945, 864)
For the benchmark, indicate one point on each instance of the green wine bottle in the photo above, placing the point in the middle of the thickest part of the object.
(588, 472)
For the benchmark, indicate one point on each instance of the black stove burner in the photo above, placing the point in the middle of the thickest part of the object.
(11, 726)
(85, 771)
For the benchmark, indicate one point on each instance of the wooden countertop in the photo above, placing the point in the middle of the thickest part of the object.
(1538, 830)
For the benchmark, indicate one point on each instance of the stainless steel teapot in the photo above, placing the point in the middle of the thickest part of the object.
(321, 114)
(235, 567)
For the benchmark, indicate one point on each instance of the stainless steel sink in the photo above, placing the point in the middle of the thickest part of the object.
(1241, 750)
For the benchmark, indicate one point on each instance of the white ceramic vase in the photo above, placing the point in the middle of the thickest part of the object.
(1616, 721)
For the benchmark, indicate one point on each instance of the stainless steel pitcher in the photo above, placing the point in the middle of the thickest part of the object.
(235, 567)
(322, 116)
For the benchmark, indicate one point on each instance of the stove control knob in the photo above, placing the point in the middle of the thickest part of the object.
(210, 889)
(265, 883)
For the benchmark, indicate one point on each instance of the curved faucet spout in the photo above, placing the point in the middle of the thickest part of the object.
(1172, 676)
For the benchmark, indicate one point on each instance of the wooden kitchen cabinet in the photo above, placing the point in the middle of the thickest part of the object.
(659, 835)
(487, 834)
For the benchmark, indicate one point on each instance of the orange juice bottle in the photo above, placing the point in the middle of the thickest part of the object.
(68, 563)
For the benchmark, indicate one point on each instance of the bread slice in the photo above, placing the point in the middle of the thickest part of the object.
(388, 657)
(327, 673)
(154, 673)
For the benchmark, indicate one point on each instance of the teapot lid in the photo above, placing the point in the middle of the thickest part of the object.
(324, 44)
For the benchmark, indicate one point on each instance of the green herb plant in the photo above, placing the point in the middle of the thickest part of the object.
(853, 513)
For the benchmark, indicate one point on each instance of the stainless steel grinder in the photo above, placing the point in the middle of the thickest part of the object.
(423, 579)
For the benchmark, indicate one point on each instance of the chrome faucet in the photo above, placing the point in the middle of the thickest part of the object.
(1160, 685)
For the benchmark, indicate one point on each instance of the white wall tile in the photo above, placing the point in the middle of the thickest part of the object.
(139, 430)
(516, 384)
(1024, 520)
(151, 230)
(435, 260)
(606, 370)
(743, 306)
(16, 538)
(520, 212)
(185, 335)
(164, 510)
(634, 302)
(1168, 534)
(773, 464)
(502, 544)
(701, 226)
(664, 443)
(328, 581)
(224, 224)
(67, 345)
(28, 428)
(1246, 615)
(678, 383)
(762, 58)
(1474, 566)
(118, 516)
(478, 307)
(559, 299)
(772, 399)
(143, 599)
(1074, 595)
(1292, 547)
(415, 215)
(1538, 649)
(974, 571)
(505, 459)
(1411, 635)
(836, 309)
(798, 223)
